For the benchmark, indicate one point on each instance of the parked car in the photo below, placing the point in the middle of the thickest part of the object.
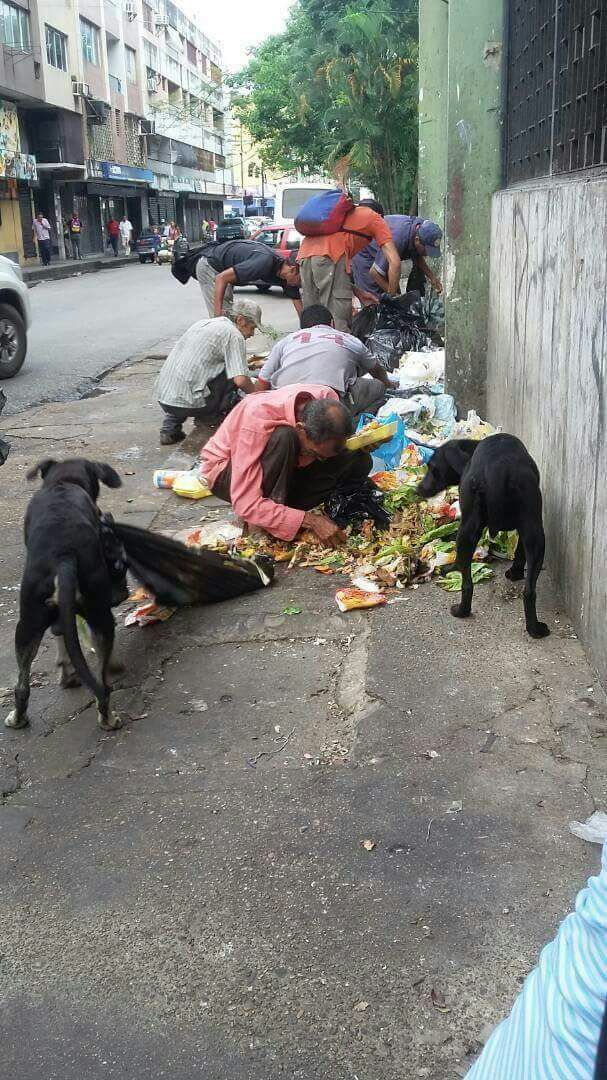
(281, 238)
(15, 318)
(232, 228)
(145, 246)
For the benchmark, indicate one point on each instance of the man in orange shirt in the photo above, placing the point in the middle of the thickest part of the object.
(325, 262)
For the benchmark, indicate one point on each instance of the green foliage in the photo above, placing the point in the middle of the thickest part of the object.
(341, 80)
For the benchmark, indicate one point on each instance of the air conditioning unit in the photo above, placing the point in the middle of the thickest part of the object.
(152, 85)
(81, 89)
(160, 20)
(147, 127)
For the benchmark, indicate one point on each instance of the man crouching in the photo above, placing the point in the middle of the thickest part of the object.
(279, 454)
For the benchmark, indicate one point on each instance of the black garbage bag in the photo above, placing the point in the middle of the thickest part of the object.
(177, 575)
(354, 501)
(398, 324)
(4, 446)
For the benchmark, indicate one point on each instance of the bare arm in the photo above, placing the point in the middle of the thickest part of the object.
(379, 279)
(263, 384)
(380, 373)
(427, 272)
(390, 251)
(366, 298)
(297, 304)
(227, 277)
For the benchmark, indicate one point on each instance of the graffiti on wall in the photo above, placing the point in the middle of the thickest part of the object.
(9, 128)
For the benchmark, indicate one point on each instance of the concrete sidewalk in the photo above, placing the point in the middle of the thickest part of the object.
(64, 268)
(191, 897)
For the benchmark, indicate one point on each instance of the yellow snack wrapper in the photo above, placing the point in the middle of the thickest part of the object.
(349, 599)
(190, 487)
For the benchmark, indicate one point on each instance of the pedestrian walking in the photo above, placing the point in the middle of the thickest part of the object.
(41, 230)
(326, 262)
(126, 233)
(212, 227)
(319, 354)
(416, 239)
(66, 238)
(75, 230)
(113, 232)
(242, 262)
(205, 368)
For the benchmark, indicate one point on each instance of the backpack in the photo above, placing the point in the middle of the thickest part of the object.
(325, 214)
(184, 265)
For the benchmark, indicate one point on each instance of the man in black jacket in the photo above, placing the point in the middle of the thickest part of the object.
(242, 262)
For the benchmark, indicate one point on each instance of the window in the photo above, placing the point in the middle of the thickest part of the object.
(130, 57)
(251, 168)
(89, 36)
(150, 53)
(148, 18)
(14, 26)
(173, 70)
(118, 122)
(220, 161)
(270, 237)
(56, 48)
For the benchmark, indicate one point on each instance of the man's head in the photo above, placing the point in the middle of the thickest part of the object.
(39, 216)
(74, 214)
(427, 239)
(315, 315)
(289, 271)
(247, 317)
(125, 217)
(373, 204)
(322, 427)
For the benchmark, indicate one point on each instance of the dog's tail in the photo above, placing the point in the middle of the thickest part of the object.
(67, 584)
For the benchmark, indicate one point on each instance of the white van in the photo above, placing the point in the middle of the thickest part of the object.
(290, 198)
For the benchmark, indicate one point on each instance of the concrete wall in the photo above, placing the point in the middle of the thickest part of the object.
(474, 142)
(547, 373)
(433, 58)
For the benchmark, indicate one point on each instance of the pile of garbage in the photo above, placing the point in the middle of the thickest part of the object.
(399, 324)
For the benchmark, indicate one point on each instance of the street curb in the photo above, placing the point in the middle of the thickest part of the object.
(34, 275)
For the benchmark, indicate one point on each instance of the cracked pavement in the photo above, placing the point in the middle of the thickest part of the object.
(190, 896)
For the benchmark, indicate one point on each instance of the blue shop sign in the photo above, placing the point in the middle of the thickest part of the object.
(111, 171)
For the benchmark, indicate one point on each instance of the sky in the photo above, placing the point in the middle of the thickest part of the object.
(239, 24)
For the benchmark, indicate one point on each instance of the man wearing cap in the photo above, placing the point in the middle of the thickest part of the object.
(416, 239)
(205, 368)
(221, 266)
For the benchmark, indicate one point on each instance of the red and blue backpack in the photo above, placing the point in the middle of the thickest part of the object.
(325, 213)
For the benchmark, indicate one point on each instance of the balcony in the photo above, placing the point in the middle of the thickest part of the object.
(115, 84)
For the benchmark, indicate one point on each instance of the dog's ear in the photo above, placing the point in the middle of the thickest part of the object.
(456, 456)
(106, 474)
(41, 468)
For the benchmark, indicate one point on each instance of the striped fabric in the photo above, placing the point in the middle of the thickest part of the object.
(208, 348)
(553, 1030)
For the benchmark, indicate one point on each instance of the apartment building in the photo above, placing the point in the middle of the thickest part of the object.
(87, 124)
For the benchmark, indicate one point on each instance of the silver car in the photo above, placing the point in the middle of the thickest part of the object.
(15, 318)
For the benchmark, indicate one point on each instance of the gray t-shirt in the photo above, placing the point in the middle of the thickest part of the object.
(402, 227)
(318, 355)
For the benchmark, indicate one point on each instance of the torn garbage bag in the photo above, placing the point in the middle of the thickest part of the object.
(354, 501)
(177, 575)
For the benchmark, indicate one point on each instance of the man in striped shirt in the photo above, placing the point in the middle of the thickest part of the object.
(204, 368)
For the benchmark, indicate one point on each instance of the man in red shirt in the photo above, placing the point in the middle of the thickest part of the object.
(325, 262)
(281, 453)
(113, 231)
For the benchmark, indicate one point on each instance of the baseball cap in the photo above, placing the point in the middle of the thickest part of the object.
(248, 310)
(430, 236)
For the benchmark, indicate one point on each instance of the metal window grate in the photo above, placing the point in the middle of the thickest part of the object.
(557, 78)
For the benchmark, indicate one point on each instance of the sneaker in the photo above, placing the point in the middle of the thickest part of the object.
(167, 438)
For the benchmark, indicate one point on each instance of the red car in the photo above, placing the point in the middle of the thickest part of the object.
(282, 238)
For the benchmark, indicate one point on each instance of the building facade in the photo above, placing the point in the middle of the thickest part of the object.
(524, 103)
(107, 107)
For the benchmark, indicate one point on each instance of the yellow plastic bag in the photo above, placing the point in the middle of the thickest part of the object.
(190, 487)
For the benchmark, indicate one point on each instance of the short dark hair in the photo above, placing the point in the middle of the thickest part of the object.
(373, 204)
(324, 419)
(315, 315)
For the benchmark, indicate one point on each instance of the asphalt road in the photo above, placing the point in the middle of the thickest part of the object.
(82, 326)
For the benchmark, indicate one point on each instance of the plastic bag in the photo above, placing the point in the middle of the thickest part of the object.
(354, 501)
(390, 452)
(594, 829)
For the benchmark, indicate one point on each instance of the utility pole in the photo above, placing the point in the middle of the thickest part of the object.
(263, 191)
(241, 161)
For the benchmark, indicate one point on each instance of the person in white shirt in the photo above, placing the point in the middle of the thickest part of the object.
(41, 230)
(126, 232)
(320, 354)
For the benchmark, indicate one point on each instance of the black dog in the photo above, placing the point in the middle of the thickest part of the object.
(499, 489)
(66, 573)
